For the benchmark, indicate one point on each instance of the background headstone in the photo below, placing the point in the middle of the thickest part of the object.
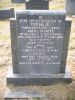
(37, 4)
(18, 1)
(70, 7)
(34, 4)
(6, 13)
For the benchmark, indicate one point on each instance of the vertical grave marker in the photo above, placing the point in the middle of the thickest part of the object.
(39, 43)
(70, 7)
(6, 13)
(34, 4)
(39, 47)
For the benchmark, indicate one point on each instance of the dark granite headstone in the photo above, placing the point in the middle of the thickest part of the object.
(70, 7)
(39, 41)
(18, 1)
(34, 4)
(37, 4)
(6, 13)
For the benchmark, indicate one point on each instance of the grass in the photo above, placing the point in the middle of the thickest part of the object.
(56, 7)
(7, 4)
(72, 47)
(72, 44)
(4, 37)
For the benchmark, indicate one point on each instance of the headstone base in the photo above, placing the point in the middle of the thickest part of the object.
(53, 92)
(20, 93)
(40, 79)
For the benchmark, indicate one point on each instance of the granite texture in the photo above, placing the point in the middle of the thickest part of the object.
(6, 13)
(70, 7)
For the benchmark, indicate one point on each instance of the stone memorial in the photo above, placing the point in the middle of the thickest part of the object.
(39, 45)
(34, 4)
(70, 7)
(18, 1)
(39, 41)
(6, 13)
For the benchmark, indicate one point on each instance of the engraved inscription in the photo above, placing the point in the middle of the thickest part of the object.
(40, 39)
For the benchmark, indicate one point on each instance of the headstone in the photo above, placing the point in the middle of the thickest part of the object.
(34, 4)
(37, 4)
(6, 13)
(70, 7)
(39, 43)
(18, 1)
